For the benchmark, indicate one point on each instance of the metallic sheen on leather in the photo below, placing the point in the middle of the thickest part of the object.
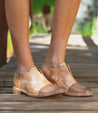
(61, 75)
(34, 83)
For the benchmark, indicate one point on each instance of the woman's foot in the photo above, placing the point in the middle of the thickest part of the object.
(62, 76)
(33, 83)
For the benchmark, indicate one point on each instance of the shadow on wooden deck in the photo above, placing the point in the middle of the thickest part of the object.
(84, 63)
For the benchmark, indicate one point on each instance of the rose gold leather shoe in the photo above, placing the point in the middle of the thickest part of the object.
(33, 83)
(62, 76)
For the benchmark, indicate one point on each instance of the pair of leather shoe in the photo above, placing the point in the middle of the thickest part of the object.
(49, 81)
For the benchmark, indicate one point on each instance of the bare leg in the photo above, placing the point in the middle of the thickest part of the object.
(17, 13)
(64, 17)
(33, 83)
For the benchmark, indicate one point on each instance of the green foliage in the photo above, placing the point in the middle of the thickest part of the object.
(94, 25)
(85, 29)
(38, 5)
(88, 28)
(37, 28)
(9, 41)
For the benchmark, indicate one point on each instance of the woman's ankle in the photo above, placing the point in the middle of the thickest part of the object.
(52, 62)
(21, 69)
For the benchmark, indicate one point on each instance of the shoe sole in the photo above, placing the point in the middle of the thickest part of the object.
(18, 91)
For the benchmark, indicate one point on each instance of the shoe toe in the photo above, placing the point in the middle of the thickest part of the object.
(79, 90)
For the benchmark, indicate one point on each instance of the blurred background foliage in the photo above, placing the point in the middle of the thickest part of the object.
(38, 5)
(87, 28)
(37, 9)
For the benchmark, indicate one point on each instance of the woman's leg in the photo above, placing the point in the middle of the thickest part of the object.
(54, 66)
(17, 14)
(33, 83)
(64, 16)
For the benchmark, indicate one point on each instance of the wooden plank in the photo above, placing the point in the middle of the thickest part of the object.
(74, 66)
(83, 65)
(82, 74)
(87, 79)
(10, 79)
(49, 111)
(59, 98)
(7, 90)
(49, 106)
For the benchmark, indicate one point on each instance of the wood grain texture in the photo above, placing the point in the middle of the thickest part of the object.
(49, 106)
(48, 111)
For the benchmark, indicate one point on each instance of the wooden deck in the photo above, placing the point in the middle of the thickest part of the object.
(83, 59)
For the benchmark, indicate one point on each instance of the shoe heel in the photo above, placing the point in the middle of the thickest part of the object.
(16, 90)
